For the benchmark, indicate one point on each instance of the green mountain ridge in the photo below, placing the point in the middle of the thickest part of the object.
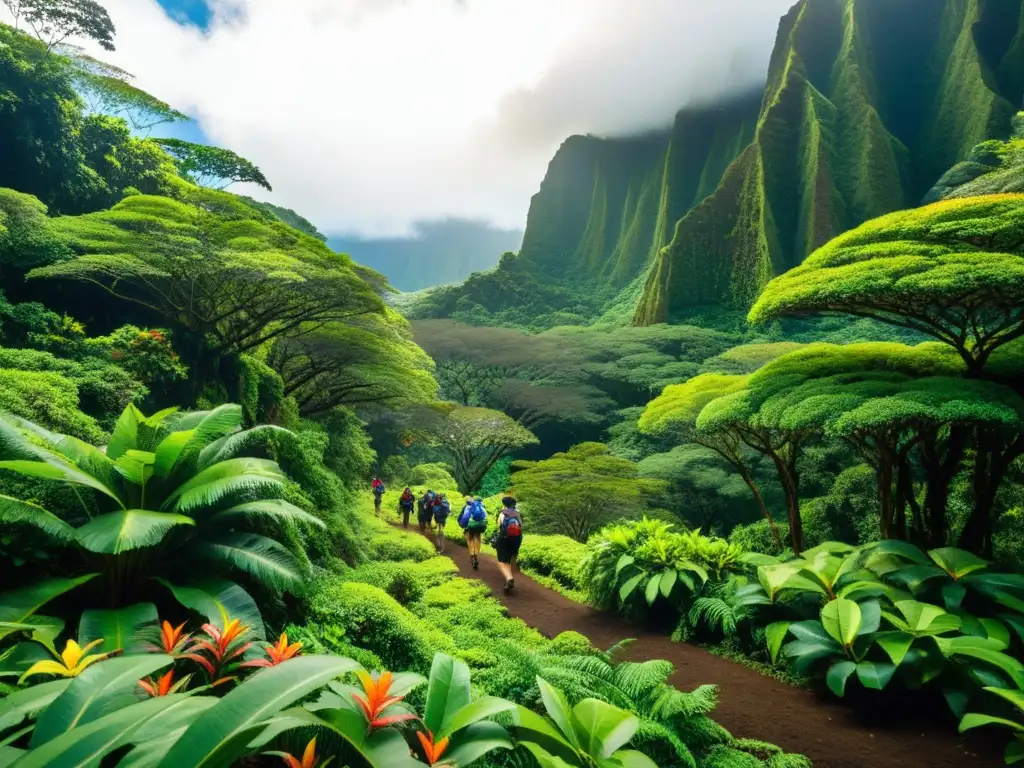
(867, 104)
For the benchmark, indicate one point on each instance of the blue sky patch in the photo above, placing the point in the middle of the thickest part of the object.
(195, 12)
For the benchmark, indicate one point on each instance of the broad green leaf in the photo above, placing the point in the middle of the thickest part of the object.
(871, 616)
(772, 577)
(474, 712)
(229, 446)
(533, 724)
(87, 744)
(624, 561)
(474, 742)
(9, 755)
(135, 466)
(223, 480)
(448, 691)
(270, 509)
(558, 710)
(404, 682)
(976, 721)
(900, 548)
(916, 575)
(806, 653)
(220, 737)
(99, 689)
(60, 471)
(602, 728)
(1013, 668)
(895, 645)
(996, 630)
(120, 630)
(15, 661)
(128, 529)
(774, 635)
(126, 430)
(842, 618)
(380, 748)
(14, 510)
(697, 568)
(630, 758)
(668, 581)
(544, 758)
(924, 618)
(1004, 598)
(811, 631)
(837, 676)
(875, 675)
(17, 605)
(46, 630)
(167, 452)
(261, 557)
(956, 562)
(220, 601)
(16, 706)
(953, 595)
(629, 586)
(1015, 697)
(651, 592)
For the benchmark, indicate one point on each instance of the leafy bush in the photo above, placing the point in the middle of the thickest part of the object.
(556, 556)
(435, 476)
(376, 621)
(394, 545)
(455, 592)
(571, 643)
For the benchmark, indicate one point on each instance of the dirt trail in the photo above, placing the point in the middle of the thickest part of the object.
(750, 705)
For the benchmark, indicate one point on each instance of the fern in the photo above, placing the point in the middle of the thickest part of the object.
(715, 613)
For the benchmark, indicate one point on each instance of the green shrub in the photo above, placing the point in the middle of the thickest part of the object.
(1008, 542)
(571, 643)
(455, 592)
(480, 623)
(374, 620)
(396, 471)
(556, 556)
(436, 476)
(434, 572)
(395, 545)
(723, 756)
(327, 638)
(755, 537)
(396, 579)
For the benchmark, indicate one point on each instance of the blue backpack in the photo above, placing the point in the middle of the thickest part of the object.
(441, 511)
(474, 514)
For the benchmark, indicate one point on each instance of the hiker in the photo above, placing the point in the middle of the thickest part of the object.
(508, 540)
(405, 504)
(425, 513)
(442, 508)
(473, 520)
(378, 494)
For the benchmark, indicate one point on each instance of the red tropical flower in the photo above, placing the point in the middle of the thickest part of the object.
(432, 750)
(276, 653)
(309, 758)
(172, 640)
(377, 700)
(216, 652)
(164, 685)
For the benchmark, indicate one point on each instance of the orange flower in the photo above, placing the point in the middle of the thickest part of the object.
(172, 639)
(221, 648)
(377, 700)
(163, 686)
(309, 759)
(431, 750)
(277, 653)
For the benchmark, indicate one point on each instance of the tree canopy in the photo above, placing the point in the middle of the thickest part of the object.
(579, 491)
(54, 21)
(212, 166)
(952, 270)
(213, 266)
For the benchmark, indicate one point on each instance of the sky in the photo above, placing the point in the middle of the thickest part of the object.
(370, 115)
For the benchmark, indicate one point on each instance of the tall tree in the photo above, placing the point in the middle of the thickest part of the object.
(474, 438)
(212, 266)
(577, 492)
(54, 21)
(212, 167)
(953, 271)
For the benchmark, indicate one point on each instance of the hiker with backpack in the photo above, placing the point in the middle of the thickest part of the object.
(425, 513)
(508, 540)
(405, 504)
(473, 521)
(378, 494)
(442, 509)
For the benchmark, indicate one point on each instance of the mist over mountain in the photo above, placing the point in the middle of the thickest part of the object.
(439, 252)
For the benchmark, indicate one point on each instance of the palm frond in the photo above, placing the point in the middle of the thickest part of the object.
(183, 445)
(274, 509)
(15, 443)
(127, 529)
(89, 458)
(126, 432)
(16, 511)
(229, 446)
(54, 468)
(261, 558)
(224, 479)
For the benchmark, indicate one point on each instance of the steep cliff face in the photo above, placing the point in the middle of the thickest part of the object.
(868, 102)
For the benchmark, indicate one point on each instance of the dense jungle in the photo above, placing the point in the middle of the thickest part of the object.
(753, 382)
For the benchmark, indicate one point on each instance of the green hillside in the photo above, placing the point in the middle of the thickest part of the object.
(867, 104)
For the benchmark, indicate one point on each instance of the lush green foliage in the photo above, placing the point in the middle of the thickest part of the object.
(212, 166)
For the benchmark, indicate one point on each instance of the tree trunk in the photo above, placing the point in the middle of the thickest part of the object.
(791, 487)
(759, 500)
(939, 472)
(990, 468)
(885, 503)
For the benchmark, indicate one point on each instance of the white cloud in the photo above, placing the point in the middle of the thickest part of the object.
(369, 114)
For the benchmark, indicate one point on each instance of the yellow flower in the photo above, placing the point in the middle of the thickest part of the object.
(70, 663)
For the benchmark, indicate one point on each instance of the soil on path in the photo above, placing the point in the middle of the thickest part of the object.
(750, 705)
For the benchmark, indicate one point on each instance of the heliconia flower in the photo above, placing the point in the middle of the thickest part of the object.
(221, 647)
(164, 686)
(377, 700)
(432, 750)
(309, 759)
(173, 639)
(277, 653)
(70, 663)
